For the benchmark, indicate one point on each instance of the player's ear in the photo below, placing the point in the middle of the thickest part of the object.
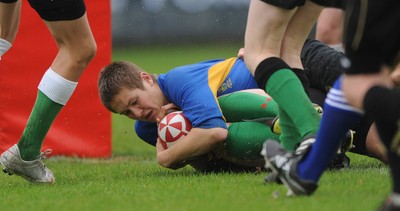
(147, 77)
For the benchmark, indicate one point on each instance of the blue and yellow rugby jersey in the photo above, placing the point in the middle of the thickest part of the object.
(195, 88)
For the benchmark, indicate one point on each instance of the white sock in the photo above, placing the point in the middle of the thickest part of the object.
(4, 46)
(338, 47)
(396, 199)
(57, 88)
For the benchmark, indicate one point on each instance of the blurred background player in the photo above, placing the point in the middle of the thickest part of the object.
(68, 24)
(329, 28)
(372, 43)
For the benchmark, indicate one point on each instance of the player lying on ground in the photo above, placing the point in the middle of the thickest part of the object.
(138, 95)
(249, 114)
(126, 89)
(321, 67)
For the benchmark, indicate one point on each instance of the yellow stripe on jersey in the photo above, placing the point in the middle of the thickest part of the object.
(217, 74)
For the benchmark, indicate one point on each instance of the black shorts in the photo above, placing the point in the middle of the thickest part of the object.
(8, 1)
(291, 4)
(288, 4)
(341, 4)
(374, 39)
(321, 64)
(58, 10)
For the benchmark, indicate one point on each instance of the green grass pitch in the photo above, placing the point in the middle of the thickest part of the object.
(132, 180)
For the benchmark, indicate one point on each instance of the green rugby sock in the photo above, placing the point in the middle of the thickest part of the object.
(289, 137)
(285, 88)
(42, 116)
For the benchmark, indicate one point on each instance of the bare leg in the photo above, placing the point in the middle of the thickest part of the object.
(297, 32)
(264, 32)
(374, 146)
(356, 86)
(76, 46)
(9, 20)
(330, 27)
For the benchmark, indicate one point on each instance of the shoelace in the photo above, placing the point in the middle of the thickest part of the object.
(288, 156)
(43, 155)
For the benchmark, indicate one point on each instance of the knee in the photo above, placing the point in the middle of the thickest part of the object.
(88, 52)
(78, 52)
(329, 34)
(83, 54)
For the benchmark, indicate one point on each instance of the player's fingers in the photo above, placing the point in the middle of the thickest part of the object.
(169, 106)
(161, 115)
(159, 146)
(241, 53)
(165, 110)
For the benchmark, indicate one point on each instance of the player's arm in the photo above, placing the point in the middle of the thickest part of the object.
(198, 142)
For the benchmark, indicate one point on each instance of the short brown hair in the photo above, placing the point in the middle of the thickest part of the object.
(114, 77)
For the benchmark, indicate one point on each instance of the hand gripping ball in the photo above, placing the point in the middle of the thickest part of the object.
(172, 128)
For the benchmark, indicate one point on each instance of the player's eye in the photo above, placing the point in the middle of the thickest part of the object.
(133, 102)
(126, 113)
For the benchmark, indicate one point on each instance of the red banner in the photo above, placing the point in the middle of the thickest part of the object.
(83, 127)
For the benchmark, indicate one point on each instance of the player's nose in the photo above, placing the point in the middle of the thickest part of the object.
(137, 112)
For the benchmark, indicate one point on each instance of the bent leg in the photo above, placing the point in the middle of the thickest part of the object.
(76, 46)
(242, 106)
(245, 140)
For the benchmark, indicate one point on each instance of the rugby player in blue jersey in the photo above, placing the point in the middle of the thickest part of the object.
(208, 103)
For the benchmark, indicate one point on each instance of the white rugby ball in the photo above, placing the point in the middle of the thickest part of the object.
(172, 128)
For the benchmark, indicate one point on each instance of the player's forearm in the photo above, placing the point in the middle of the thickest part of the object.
(198, 142)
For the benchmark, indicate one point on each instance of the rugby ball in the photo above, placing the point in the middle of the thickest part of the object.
(172, 128)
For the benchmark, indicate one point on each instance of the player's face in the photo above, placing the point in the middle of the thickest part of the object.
(140, 104)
